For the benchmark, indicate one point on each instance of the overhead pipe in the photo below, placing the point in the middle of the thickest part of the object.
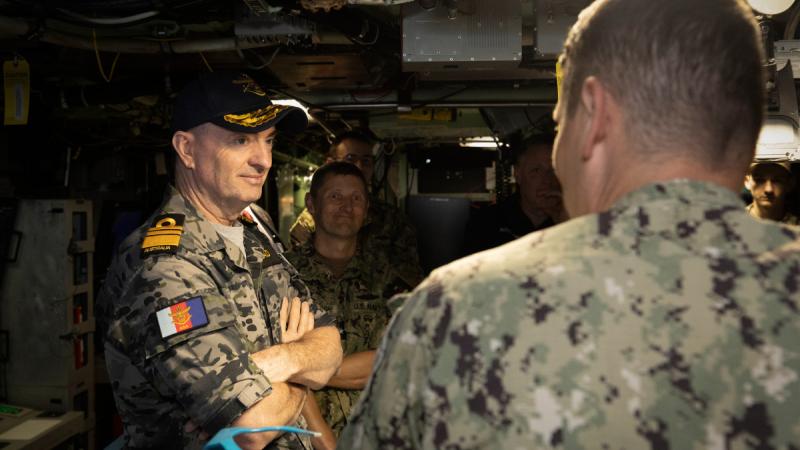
(15, 27)
(394, 106)
(478, 95)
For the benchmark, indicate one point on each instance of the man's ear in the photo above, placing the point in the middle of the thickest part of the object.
(595, 103)
(184, 142)
(749, 183)
(310, 203)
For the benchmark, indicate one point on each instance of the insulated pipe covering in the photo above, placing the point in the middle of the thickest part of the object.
(15, 27)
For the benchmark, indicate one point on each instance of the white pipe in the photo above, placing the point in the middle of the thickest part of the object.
(110, 20)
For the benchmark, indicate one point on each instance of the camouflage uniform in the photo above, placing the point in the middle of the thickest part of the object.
(358, 300)
(206, 374)
(670, 321)
(788, 218)
(386, 231)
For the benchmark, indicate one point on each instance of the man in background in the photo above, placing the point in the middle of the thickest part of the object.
(536, 205)
(349, 282)
(770, 183)
(662, 315)
(386, 229)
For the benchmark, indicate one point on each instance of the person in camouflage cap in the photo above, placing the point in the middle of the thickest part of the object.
(204, 325)
(662, 315)
(386, 229)
(350, 283)
(770, 182)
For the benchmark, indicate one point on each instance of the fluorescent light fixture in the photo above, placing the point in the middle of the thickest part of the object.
(776, 132)
(295, 103)
(778, 139)
(770, 7)
(480, 142)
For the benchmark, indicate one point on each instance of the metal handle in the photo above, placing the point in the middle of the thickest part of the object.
(15, 253)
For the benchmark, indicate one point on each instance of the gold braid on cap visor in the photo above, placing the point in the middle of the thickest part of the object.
(255, 118)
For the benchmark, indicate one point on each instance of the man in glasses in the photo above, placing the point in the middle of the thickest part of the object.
(386, 230)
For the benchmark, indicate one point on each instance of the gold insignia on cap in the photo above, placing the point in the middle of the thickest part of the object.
(249, 85)
(255, 118)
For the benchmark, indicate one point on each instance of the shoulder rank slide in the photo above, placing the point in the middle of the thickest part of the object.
(183, 316)
(164, 236)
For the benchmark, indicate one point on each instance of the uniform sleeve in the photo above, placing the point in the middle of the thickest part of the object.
(207, 369)
(301, 229)
(390, 412)
(322, 318)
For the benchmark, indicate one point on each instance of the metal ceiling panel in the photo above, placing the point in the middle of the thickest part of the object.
(307, 72)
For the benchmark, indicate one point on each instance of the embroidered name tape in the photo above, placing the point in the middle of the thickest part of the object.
(164, 236)
(180, 317)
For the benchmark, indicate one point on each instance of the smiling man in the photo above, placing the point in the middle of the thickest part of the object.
(770, 183)
(662, 316)
(204, 325)
(352, 283)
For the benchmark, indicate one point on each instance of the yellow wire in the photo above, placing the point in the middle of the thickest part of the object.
(100, 63)
(206, 62)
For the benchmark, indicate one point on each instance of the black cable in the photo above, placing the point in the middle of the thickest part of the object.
(424, 104)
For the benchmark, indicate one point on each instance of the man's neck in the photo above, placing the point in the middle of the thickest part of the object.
(334, 249)
(637, 176)
(210, 211)
(776, 212)
(536, 215)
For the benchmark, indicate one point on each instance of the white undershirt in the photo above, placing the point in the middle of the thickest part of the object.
(234, 234)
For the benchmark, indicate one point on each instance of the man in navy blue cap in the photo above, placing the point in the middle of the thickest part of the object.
(204, 323)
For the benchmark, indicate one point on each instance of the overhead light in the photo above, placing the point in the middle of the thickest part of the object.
(770, 7)
(296, 104)
(778, 139)
(480, 142)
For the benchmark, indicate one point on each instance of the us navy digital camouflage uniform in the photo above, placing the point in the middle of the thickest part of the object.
(788, 218)
(358, 300)
(386, 231)
(669, 321)
(205, 375)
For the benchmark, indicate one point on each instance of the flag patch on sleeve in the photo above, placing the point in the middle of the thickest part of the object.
(180, 317)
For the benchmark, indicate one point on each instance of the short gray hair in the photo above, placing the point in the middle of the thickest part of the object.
(688, 73)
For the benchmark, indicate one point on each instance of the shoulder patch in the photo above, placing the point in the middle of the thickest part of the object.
(183, 316)
(164, 236)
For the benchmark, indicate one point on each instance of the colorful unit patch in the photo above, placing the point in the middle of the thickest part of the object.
(184, 316)
(164, 236)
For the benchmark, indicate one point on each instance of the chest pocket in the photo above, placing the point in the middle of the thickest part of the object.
(363, 321)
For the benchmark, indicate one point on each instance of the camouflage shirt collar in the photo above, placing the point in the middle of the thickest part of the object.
(199, 234)
(309, 252)
(683, 190)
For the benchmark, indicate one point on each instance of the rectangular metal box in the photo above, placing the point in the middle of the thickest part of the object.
(487, 37)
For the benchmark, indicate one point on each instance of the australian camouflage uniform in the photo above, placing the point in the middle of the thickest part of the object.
(358, 299)
(386, 231)
(184, 310)
(669, 321)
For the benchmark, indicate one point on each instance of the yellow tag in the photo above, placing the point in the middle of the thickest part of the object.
(17, 88)
(559, 79)
(428, 114)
